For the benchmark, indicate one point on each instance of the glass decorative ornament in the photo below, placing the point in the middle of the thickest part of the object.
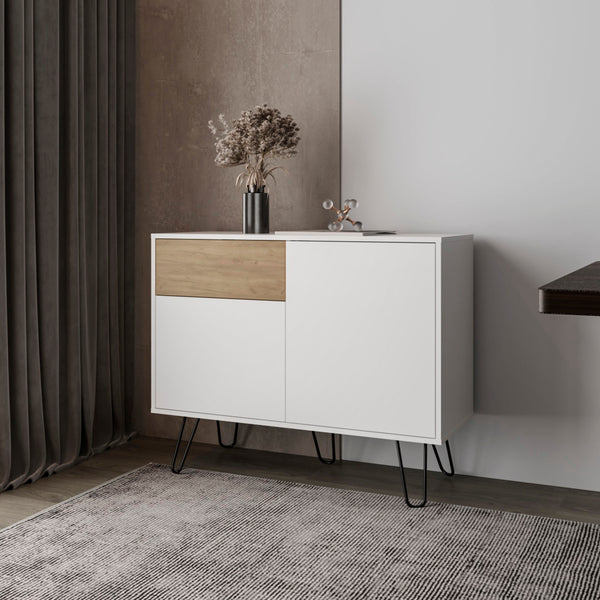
(342, 215)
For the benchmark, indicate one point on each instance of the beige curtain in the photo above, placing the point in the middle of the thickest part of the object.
(66, 247)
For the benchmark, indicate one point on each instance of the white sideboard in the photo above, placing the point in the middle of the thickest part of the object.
(342, 333)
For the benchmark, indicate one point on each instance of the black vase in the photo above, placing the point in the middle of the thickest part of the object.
(256, 212)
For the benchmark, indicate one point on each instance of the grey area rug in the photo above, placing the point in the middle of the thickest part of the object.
(151, 534)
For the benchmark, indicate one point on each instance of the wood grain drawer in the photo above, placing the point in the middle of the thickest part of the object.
(239, 269)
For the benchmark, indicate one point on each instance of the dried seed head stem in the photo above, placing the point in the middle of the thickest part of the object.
(258, 135)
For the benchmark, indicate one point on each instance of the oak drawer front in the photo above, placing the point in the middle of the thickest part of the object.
(237, 269)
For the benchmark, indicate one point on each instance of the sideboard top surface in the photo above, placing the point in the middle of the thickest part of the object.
(319, 236)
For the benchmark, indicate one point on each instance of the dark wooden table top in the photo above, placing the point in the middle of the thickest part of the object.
(577, 293)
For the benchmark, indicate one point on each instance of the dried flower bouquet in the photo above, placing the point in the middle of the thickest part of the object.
(252, 141)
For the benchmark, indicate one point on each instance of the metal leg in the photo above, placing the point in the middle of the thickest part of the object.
(325, 460)
(439, 462)
(406, 498)
(235, 433)
(175, 469)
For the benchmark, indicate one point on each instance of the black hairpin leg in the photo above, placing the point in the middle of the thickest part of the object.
(175, 469)
(449, 473)
(325, 460)
(406, 498)
(235, 432)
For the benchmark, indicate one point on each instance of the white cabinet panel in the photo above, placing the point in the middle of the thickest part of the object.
(220, 357)
(361, 336)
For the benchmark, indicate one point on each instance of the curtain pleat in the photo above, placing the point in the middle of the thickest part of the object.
(5, 437)
(46, 98)
(115, 246)
(65, 232)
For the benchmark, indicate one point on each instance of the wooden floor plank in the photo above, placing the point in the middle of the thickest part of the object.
(496, 494)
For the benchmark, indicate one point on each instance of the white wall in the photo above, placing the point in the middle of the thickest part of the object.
(483, 117)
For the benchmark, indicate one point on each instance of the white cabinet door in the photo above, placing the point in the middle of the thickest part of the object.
(360, 327)
(220, 357)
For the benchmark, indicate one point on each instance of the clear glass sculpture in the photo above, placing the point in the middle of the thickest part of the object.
(342, 215)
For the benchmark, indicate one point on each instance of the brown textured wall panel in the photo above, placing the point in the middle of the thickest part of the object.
(199, 58)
